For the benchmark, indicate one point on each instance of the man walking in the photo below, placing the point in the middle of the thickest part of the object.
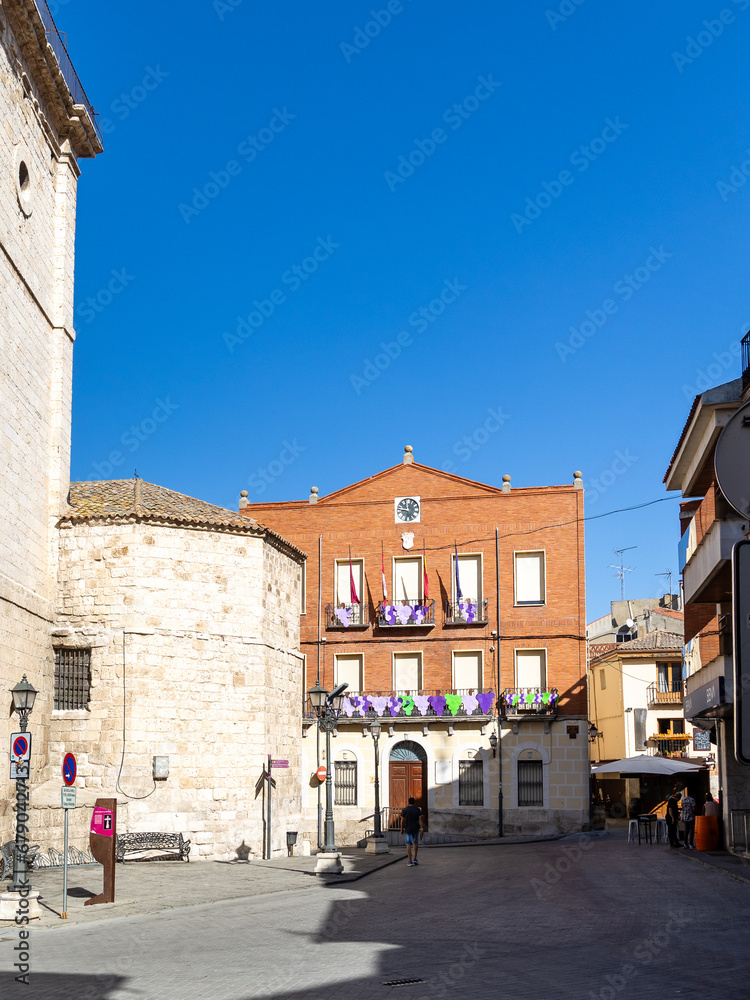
(412, 825)
(688, 818)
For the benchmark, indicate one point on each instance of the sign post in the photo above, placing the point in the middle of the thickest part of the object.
(102, 841)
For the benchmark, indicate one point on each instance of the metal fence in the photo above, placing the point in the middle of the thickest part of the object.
(55, 40)
(345, 782)
(471, 783)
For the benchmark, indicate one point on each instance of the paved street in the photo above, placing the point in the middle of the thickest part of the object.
(597, 918)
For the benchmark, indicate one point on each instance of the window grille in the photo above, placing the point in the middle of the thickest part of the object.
(530, 783)
(72, 678)
(471, 783)
(345, 782)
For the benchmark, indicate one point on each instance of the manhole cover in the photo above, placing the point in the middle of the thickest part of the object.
(403, 982)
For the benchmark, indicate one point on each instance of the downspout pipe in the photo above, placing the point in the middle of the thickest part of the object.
(497, 663)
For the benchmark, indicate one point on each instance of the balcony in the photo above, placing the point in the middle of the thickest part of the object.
(656, 696)
(706, 549)
(671, 744)
(420, 614)
(459, 703)
(520, 703)
(466, 613)
(347, 616)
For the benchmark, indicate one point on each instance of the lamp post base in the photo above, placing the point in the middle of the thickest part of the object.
(15, 904)
(377, 845)
(329, 863)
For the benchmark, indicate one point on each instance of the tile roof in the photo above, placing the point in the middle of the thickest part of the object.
(659, 639)
(124, 498)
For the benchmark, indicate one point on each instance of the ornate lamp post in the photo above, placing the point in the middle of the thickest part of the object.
(24, 695)
(377, 844)
(327, 707)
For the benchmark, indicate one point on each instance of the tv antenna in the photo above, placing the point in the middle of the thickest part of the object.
(668, 574)
(621, 570)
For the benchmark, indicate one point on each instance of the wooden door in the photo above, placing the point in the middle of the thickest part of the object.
(407, 779)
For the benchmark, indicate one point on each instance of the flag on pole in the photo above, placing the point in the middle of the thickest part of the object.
(426, 582)
(459, 595)
(382, 570)
(352, 588)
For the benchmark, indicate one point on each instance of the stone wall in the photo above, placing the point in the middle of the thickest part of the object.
(197, 632)
(38, 182)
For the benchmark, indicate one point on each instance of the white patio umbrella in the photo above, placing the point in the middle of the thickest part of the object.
(644, 764)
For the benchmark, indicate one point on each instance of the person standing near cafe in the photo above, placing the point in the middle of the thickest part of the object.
(672, 817)
(688, 818)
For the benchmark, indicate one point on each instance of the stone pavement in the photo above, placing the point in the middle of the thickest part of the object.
(576, 918)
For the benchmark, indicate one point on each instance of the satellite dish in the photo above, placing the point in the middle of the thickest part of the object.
(630, 623)
(732, 461)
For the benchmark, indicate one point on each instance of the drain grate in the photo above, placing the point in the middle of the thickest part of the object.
(403, 982)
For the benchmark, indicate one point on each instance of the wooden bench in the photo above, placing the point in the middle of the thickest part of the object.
(173, 844)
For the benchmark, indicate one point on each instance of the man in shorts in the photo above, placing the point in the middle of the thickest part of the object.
(412, 825)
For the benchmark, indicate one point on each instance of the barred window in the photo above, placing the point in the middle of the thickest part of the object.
(72, 678)
(345, 782)
(471, 782)
(530, 783)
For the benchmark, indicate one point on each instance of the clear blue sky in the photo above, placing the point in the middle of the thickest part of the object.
(573, 151)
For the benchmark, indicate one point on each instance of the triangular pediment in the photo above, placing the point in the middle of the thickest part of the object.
(405, 480)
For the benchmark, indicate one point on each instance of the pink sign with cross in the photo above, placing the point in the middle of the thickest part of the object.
(102, 822)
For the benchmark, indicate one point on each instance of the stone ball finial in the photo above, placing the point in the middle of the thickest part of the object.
(577, 475)
(506, 478)
(243, 493)
(577, 480)
(408, 448)
(313, 489)
(408, 454)
(506, 484)
(243, 499)
(313, 498)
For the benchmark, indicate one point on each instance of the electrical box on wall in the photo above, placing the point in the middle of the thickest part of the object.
(161, 768)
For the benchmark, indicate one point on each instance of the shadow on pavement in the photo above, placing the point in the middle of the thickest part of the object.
(62, 986)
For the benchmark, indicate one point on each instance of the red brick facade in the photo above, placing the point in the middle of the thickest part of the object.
(452, 510)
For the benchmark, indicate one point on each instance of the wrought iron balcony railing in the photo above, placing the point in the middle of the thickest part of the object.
(459, 703)
(671, 743)
(347, 616)
(656, 696)
(466, 612)
(529, 701)
(407, 614)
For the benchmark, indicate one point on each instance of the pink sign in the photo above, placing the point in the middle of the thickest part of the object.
(102, 822)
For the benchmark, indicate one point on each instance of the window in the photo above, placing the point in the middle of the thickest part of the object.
(72, 679)
(665, 725)
(530, 578)
(670, 677)
(603, 680)
(471, 782)
(345, 573)
(408, 580)
(531, 668)
(626, 633)
(345, 782)
(407, 671)
(530, 783)
(349, 669)
(678, 725)
(467, 671)
(303, 589)
(469, 577)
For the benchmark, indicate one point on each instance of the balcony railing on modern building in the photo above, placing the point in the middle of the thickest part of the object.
(58, 46)
(526, 701)
(459, 703)
(406, 614)
(466, 612)
(347, 616)
(656, 695)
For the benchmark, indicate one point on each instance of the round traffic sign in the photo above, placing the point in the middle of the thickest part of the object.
(69, 769)
(320, 774)
(731, 461)
(20, 746)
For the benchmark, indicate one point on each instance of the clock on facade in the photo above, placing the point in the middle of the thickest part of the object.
(408, 509)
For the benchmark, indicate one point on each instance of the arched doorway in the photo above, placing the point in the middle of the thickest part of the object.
(407, 772)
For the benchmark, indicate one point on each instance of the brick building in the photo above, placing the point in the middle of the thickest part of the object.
(439, 653)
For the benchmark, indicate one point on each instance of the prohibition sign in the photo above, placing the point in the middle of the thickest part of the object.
(20, 746)
(69, 769)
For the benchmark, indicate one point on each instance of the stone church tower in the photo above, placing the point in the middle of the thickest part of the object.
(47, 125)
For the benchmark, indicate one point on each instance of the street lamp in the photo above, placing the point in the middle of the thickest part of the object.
(24, 695)
(377, 844)
(327, 706)
(493, 743)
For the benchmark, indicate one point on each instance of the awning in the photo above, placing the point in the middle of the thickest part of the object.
(645, 764)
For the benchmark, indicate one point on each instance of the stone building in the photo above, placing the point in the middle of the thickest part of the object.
(173, 638)
(450, 661)
(48, 124)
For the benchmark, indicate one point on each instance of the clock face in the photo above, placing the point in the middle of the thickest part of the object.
(408, 509)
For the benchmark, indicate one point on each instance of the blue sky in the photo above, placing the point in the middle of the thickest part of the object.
(533, 209)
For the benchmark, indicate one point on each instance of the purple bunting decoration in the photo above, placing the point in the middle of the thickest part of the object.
(349, 705)
(422, 703)
(485, 702)
(364, 705)
(470, 703)
(394, 704)
(454, 702)
(407, 703)
(468, 610)
(437, 702)
(389, 613)
(344, 615)
(420, 613)
(404, 612)
(379, 704)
